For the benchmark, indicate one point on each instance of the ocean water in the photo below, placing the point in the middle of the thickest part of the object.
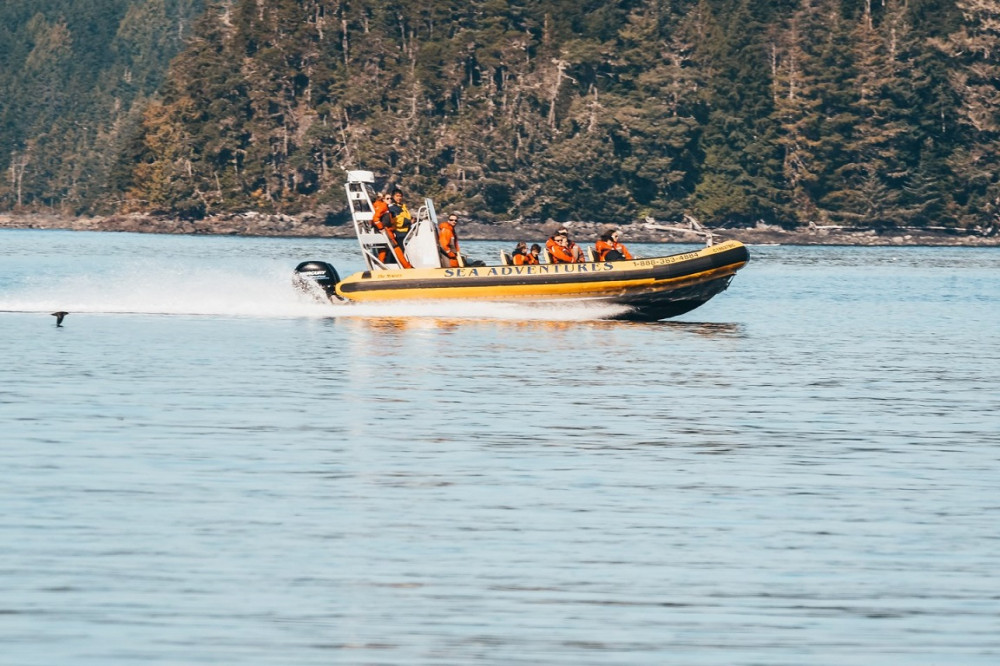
(202, 467)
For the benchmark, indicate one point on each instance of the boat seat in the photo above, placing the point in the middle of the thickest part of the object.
(590, 255)
(505, 259)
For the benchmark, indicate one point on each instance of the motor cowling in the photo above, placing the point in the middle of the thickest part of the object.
(318, 279)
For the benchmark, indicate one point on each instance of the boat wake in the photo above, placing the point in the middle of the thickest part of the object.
(267, 293)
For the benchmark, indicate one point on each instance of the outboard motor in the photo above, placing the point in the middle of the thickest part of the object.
(318, 279)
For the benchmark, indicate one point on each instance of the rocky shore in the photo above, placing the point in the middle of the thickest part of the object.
(317, 226)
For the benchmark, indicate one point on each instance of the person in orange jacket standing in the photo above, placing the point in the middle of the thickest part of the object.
(609, 249)
(382, 220)
(448, 242)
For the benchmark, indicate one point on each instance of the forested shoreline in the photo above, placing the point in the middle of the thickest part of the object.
(795, 114)
(311, 225)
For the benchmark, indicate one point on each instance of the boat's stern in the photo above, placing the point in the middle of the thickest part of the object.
(317, 279)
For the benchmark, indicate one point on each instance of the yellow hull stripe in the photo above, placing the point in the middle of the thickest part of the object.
(607, 289)
(533, 285)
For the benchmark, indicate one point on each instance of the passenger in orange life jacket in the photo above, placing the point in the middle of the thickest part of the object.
(609, 249)
(565, 251)
(519, 253)
(383, 221)
(551, 242)
(525, 257)
(448, 242)
(552, 247)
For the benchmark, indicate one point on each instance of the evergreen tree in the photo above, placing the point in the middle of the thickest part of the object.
(932, 125)
(657, 110)
(976, 80)
(67, 85)
(799, 108)
(740, 164)
(878, 155)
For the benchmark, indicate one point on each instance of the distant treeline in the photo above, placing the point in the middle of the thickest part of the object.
(790, 112)
(75, 76)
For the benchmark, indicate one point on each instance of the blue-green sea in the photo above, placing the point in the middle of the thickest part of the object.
(202, 466)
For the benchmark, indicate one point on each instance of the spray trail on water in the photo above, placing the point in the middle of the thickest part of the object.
(267, 292)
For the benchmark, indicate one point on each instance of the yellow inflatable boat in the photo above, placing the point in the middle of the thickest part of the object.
(651, 289)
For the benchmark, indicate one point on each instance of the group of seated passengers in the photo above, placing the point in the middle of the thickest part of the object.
(562, 250)
(393, 217)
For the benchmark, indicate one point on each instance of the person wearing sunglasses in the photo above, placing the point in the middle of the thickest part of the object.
(565, 251)
(448, 242)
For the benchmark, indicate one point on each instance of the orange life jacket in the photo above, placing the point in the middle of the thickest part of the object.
(557, 253)
(448, 243)
(602, 247)
(561, 255)
(380, 208)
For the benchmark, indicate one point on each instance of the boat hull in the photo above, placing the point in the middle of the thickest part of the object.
(652, 289)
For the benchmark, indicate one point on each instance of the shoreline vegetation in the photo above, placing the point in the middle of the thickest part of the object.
(310, 225)
(841, 113)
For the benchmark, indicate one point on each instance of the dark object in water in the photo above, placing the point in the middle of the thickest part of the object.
(59, 317)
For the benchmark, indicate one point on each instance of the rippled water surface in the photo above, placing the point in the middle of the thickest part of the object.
(201, 467)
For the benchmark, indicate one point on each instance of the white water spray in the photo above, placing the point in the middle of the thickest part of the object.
(250, 290)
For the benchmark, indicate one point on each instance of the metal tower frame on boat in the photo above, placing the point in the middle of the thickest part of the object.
(419, 246)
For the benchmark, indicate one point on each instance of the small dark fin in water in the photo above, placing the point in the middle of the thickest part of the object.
(59, 317)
